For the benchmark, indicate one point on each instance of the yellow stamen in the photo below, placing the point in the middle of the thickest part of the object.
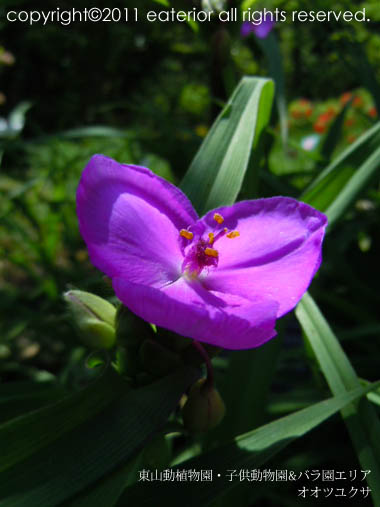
(211, 238)
(218, 218)
(211, 252)
(186, 234)
(233, 234)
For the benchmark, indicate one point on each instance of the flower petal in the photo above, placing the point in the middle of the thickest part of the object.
(262, 30)
(130, 219)
(246, 28)
(188, 309)
(276, 255)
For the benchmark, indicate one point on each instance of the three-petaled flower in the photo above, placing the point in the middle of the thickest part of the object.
(222, 279)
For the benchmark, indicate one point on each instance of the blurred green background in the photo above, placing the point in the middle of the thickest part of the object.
(146, 93)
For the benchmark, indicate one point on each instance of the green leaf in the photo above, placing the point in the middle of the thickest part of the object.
(93, 131)
(41, 427)
(109, 489)
(339, 184)
(270, 48)
(247, 451)
(334, 363)
(95, 448)
(16, 398)
(334, 134)
(372, 396)
(165, 3)
(247, 4)
(361, 419)
(217, 171)
(254, 370)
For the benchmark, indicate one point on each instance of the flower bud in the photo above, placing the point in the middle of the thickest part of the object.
(94, 318)
(204, 408)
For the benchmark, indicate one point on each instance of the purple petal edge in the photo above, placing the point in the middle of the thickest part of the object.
(130, 218)
(203, 322)
(277, 253)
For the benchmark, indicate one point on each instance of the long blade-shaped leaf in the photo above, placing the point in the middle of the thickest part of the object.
(334, 134)
(108, 490)
(361, 419)
(248, 451)
(340, 183)
(89, 452)
(253, 369)
(17, 398)
(39, 428)
(271, 49)
(352, 188)
(217, 171)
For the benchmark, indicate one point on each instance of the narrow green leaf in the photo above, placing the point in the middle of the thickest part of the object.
(361, 419)
(340, 183)
(353, 186)
(17, 398)
(374, 395)
(217, 171)
(334, 134)
(247, 451)
(334, 363)
(39, 428)
(254, 370)
(271, 49)
(247, 4)
(109, 489)
(165, 3)
(94, 449)
(93, 131)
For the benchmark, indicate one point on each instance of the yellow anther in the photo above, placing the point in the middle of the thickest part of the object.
(186, 234)
(218, 218)
(211, 252)
(233, 234)
(211, 238)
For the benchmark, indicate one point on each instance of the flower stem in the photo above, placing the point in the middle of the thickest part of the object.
(210, 371)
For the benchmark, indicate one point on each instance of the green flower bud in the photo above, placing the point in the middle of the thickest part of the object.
(93, 317)
(204, 408)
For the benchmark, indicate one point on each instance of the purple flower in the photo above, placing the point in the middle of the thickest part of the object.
(261, 30)
(222, 279)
